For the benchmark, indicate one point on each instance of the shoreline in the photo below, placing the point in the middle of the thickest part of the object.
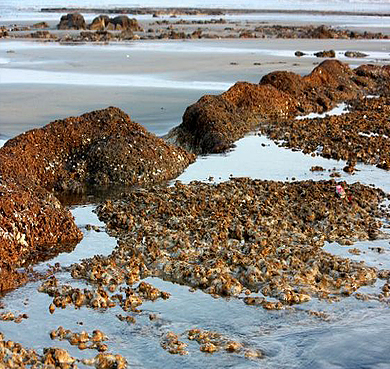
(205, 11)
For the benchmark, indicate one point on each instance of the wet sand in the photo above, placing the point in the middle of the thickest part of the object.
(152, 81)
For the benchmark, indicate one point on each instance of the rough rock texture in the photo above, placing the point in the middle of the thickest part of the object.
(361, 134)
(325, 54)
(102, 147)
(120, 23)
(242, 236)
(215, 122)
(72, 21)
(14, 355)
(355, 54)
(32, 224)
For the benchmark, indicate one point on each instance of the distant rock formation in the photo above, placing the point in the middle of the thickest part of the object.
(119, 23)
(72, 21)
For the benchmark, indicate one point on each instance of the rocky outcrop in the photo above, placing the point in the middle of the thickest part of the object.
(355, 54)
(214, 122)
(98, 148)
(72, 21)
(119, 23)
(325, 54)
(362, 134)
(33, 224)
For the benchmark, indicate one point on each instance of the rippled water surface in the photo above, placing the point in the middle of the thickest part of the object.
(355, 335)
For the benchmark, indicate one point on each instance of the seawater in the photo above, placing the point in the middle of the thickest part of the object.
(347, 5)
(24, 10)
(356, 333)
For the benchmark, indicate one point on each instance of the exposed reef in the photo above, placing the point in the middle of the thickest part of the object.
(361, 134)
(213, 123)
(241, 236)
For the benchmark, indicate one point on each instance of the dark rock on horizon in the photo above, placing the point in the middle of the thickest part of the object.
(119, 23)
(72, 21)
(325, 54)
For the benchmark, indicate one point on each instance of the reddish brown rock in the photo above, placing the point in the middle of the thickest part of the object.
(32, 223)
(215, 122)
(99, 148)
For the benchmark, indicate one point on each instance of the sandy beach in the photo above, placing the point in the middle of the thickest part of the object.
(153, 81)
(148, 312)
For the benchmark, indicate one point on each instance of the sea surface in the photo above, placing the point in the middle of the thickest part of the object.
(28, 9)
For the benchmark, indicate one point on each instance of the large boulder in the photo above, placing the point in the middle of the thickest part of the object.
(214, 123)
(103, 147)
(97, 148)
(123, 22)
(99, 23)
(33, 224)
(119, 23)
(72, 21)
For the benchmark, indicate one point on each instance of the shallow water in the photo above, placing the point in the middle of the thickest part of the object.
(26, 76)
(355, 333)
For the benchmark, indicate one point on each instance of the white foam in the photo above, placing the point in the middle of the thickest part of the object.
(338, 110)
(28, 76)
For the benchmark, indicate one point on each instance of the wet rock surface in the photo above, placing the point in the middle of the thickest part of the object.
(100, 148)
(362, 134)
(32, 224)
(14, 355)
(244, 236)
(214, 122)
